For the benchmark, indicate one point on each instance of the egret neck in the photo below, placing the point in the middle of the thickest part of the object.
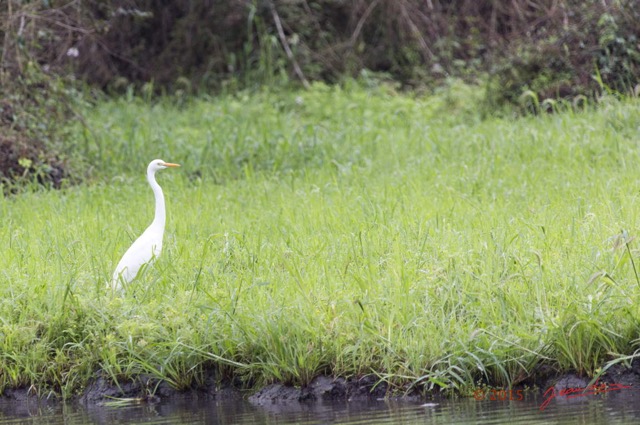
(160, 216)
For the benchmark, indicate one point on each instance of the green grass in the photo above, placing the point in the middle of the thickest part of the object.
(334, 231)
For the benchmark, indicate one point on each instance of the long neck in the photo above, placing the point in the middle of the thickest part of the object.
(160, 216)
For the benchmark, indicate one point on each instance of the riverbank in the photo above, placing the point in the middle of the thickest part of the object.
(332, 232)
(323, 389)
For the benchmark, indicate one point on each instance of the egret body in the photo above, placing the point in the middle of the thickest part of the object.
(148, 246)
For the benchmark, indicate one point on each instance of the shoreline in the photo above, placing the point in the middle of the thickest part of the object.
(146, 389)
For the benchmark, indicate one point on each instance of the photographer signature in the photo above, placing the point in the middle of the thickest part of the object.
(576, 392)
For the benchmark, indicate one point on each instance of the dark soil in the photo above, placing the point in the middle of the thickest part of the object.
(149, 389)
(24, 160)
(321, 389)
(324, 388)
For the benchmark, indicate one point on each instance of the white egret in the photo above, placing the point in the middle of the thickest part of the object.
(148, 246)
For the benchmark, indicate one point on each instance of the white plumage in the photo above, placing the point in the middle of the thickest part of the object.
(148, 246)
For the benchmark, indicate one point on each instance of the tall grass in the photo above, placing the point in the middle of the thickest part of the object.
(334, 231)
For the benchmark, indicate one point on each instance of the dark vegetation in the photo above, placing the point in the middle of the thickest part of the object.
(524, 51)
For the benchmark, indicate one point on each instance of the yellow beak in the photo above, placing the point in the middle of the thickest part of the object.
(169, 164)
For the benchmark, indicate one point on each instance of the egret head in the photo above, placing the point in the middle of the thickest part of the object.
(158, 164)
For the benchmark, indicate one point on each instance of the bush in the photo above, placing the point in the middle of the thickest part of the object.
(36, 96)
(415, 41)
(578, 51)
(547, 47)
(32, 148)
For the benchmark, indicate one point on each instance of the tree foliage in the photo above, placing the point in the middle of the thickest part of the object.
(552, 47)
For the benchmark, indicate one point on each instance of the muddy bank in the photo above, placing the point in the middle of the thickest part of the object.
(324, 388)
(339, 389)
(146, 389)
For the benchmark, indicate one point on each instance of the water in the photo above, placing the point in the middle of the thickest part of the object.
(612, 408)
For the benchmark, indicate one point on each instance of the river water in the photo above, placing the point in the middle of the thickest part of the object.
(612, 408)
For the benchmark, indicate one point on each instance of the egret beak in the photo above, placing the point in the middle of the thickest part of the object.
(169, 164)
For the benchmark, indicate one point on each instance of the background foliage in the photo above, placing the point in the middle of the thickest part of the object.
(553, 47)
(523, 51)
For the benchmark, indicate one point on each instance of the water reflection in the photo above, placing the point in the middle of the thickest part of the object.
(612, 408)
